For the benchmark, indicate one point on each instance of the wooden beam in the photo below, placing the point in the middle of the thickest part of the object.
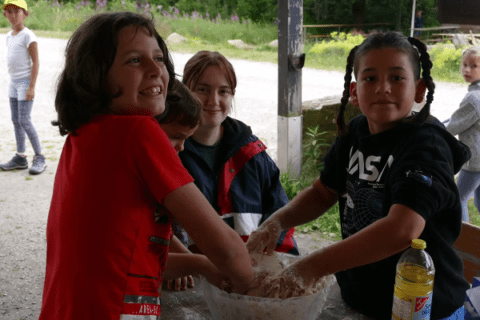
(467, 247)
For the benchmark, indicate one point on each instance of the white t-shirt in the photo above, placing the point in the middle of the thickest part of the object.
(18, 58)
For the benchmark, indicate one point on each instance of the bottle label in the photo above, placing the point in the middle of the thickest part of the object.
(412, 308)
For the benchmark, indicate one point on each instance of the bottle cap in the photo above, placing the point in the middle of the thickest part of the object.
(419, 244)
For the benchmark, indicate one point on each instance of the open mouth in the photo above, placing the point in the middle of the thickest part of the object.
(153, 91)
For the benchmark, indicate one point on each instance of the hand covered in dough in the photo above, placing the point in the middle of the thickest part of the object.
(265, 237)
(283, 285)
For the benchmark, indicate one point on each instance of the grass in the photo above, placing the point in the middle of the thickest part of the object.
(229, 51)
(327, 226)
(473, 213)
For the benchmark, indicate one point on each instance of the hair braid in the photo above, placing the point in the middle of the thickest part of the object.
(342, 128)
(427, 78)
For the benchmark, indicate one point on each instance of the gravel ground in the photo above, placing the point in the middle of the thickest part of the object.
(25, 199)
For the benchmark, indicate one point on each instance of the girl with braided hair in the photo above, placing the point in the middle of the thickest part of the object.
(392, 172)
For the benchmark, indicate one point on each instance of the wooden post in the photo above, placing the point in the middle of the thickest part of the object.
(290, 63)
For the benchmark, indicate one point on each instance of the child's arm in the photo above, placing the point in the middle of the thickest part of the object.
(462, 119)
(221, 244)
(306, 206)
(181, 264)
(380, 240)
(176, 246)
(33, 51)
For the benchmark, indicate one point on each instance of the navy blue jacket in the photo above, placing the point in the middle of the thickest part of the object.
(254, 191)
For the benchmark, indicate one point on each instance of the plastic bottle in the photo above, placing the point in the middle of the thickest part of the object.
(412, 299)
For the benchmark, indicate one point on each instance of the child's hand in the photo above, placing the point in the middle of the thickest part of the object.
(30, 93)
(265, 237)
(180, 283)
(213, 275)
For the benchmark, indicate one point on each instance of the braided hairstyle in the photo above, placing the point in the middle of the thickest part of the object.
(417, 53)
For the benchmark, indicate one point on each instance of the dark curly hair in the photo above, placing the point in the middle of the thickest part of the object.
(182, 107)
(417, 53)
(82, 89)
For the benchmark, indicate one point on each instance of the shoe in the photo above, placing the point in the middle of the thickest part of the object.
(17, 162)
(38, 165)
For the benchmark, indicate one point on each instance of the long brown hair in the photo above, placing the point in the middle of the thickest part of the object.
(82, 90)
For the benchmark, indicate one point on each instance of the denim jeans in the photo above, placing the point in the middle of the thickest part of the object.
(468, 183)
(21, 110)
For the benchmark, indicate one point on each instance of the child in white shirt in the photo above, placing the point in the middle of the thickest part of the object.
(22, 58)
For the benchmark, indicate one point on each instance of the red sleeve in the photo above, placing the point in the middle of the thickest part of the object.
(155, 160)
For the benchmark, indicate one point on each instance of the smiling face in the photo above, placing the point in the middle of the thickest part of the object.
(471, 67)
(139, 73)
(177, 134)
(215, 94)
(386, 88)
(15, 15)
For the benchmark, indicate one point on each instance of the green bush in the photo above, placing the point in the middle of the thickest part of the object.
(329, 222)
(341, 44)
(446, 62)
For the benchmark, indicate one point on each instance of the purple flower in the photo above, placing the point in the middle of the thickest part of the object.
(186, 16)
(207, 15)
(176, 11)
(88, 3)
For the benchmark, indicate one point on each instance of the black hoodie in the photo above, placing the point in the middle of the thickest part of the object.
(413, 165)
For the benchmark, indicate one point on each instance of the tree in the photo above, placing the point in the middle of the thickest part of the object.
(257, 10)
(397, 13)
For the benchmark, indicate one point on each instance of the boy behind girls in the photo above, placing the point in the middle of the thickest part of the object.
(179, 121)
(182, 115)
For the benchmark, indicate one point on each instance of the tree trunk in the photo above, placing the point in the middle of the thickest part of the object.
(399, 20)
(358, 9)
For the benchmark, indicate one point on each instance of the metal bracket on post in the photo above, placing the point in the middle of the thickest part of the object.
(296, 62)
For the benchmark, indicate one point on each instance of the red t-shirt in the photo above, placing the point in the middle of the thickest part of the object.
(105, 251)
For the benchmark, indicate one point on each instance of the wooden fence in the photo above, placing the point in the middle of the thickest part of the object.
(337, 26)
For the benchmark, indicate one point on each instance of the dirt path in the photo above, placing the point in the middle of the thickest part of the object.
(24, 200)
